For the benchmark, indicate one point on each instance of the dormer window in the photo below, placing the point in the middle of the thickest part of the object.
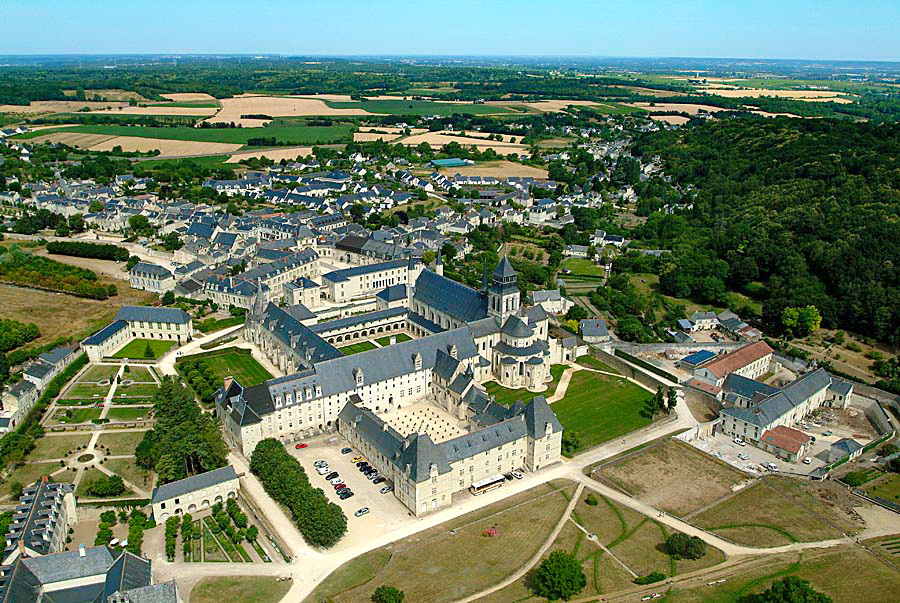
(358, 374)
(417, 361)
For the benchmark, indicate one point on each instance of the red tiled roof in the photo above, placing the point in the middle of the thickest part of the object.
(738, 359)
(785, 438)
(705, 387)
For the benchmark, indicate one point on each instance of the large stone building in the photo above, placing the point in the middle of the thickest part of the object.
(194, 493)
(139, 322)
(422, 395)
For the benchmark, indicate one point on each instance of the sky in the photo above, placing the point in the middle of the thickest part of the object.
(860, 30)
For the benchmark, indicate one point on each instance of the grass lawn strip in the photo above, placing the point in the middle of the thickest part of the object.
(591, 362)
(356, 348)
(138, 374)
(75, 415)
(886, 487)
(122, 442)
(99, 372)
(129, 471)
(508, 397)
(29, 473)
(136, 390)
(88, 391)
(56, 447)
(386, 341)
(234, 362)
(128, 413)
(239, 589)
(137, 348)
(599, 408)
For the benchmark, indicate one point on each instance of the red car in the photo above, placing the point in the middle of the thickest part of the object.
(301, 445)
(339, 487)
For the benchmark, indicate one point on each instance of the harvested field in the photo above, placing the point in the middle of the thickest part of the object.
(671, 119)
(274, 106)
(167, 148)
(373, 136)
(73, 139)
(690, 108)
(188, 96)
(673, 477)
(188, 111)
(548, 106)
(813, 96)
(439, 139)
(59, 106)
(289, 153)
(391, 130)
(113, 94)
(497, 169)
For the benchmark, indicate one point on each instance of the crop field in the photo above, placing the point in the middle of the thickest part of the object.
(498, 169)
(137, 348)
(599, 408)
(781, 511)
(673, 477)
(427, 566)
(236, 363)
(418, 107)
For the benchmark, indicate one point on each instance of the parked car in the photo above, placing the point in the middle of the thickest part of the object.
(301, 445)
(508, 477)
(321, 463)
(378, 480)
(517, 474)
(372, 476)
(744, 456)
(739, 442)
(807, 461)
(339, 486)
(335, 481)
(345, 494)
(361, 512)
(357, 459)
(362, 464)
(346, 450)
(827, 433)
(322, 470)
(331, 475)
(386, 489)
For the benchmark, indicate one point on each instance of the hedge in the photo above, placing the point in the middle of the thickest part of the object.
(98, 251)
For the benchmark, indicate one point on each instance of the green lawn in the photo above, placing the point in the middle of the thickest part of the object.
(87, 390)
(508, 397)
(29, 473)
(287, 131)
(887, 487)
(418, 107)
(599, 408)
(356, 348)
(128, 470)
(386, 341)
(100, 372)
(129, 413)
(122, 442)
(581, 267)
(235, 362)
(136, 390)
(55, 447)
(138, 348)
(591, 362)
(90, 476)
(71, 416)
(139, 374)
(239, 589)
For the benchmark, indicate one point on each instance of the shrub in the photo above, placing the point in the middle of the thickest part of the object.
(683, 546)
(650, 578)
(559, 577)
(108, 517)
(387, 594)
(106, 486)
(591, 500)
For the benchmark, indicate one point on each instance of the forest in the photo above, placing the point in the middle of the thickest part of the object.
(21, 268)
(792, 211)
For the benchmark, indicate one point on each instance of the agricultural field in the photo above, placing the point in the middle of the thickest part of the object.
(508, 397)
(672, 476)
(497, 169)
(780, 511)
(427, 566)
(418, 107)
(599, 408)
(234, 362)
(137, 348)
(356, 348)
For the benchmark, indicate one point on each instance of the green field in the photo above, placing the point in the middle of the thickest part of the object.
(122, 442)
(581, 267)
(285, 130)
(128, 470)
(138, 374)
(356, 348)
(234, 362)
(599, 408)
(239, 589)
(386, 341)
(418, 107)
(128, 413)
(71, 416)
(886, 487)
(508, 397)
(136, 390)
(100, 372)
(137, 348)
(28, 473)
(87, 390)
(56, 447)
(591, 362)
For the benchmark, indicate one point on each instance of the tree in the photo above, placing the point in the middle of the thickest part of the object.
(387, 594)
(671, 400)
(559, 577)
(131, 262)
(140, 225)
(788, 590)
(658, 401)
(686, 547)
(148, 351)
(168, 298)
(252, 533)
(95, 207)
(577, 312)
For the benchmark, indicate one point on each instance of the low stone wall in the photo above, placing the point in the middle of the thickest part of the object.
(632, 371)
(701, 431)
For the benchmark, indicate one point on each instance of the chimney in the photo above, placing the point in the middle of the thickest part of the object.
(81, 552)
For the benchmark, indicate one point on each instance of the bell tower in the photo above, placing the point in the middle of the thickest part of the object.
(503, 293)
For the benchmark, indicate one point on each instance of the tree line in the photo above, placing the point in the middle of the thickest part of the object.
(21, 268)
(98, 251)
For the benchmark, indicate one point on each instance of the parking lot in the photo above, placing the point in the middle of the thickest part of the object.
(385, 511)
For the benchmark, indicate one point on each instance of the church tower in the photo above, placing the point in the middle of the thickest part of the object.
(503, 294)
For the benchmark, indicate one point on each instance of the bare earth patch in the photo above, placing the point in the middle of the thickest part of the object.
(81, 140)
(290, 153)
(373, 136)
(274, 106)
(167, 148)
(813, 96)
(184, 97)
(59, 106)
(497, 169)
(671, 119)
(691, 109)
(439, 139)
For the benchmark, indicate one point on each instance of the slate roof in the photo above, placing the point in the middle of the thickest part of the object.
(514, 327)
(149, 314)
(192, 484)
(298, 336)
(484, 439)
(745, 387)
(56, 355)
(338, 276)
(393, 293)
(148, 269)
(505, 269)
(164, 592)
(300, 312)
(340, 323)
(593, 327)
(782, 402)
(449, 297)
(39, 369)
(847, 446)
(544, 296)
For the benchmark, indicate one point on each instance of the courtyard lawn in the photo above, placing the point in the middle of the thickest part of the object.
(122, 442)
(386, 341)
(356, 348)
(136, 390)
(581, 267)
(100, 372)
(138, 348)
(234, 362)
(598, 408)
(87, 390)
(138, 374)
(128, 413)
(56, 447)
(29, 473)
(71, 416)
(508, 397)
(90, 476)
(591, 362)
(239, 589)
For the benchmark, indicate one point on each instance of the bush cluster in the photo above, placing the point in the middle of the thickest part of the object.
(201, 378)
(97, 251)
(14, 333)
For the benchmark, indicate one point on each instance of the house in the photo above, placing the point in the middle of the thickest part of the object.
(785, 442)
(48, 365)
(139, 322)
(752, 360)
(192, 494)
(151, 277)
(552, 301)
(692, 361)
(703, 321)
(16, 402)
(843, 448)
(41, 521)
(593, 330)
(576, 251)
(839, 393)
